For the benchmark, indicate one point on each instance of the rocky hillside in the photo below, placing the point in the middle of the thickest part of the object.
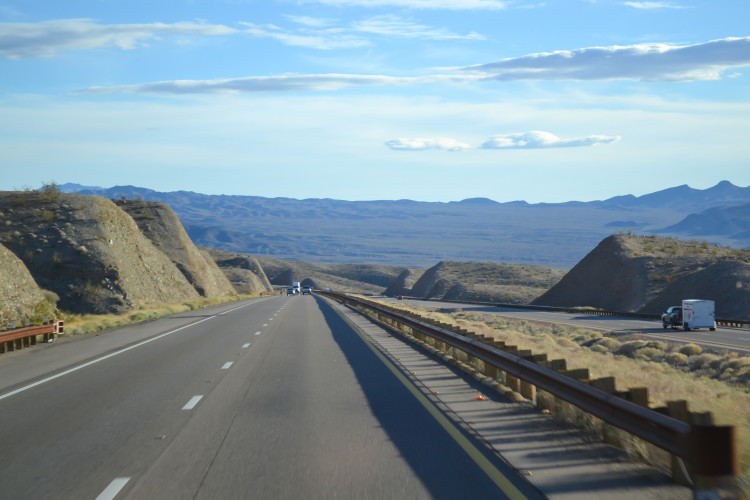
(243, 271)
(649, 273)
(20, 297)
(485, 281)
(360, 278)
(88, 251)
(159, 224)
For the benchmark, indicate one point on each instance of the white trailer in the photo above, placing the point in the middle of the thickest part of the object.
(295, 285)
(697, 313)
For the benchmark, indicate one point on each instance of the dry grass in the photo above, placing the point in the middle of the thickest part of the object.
(87, 323)
(636, 363)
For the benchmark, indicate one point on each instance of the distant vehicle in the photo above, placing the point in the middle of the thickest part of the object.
(400, 297)
(295, 285)
(673, 317)
(307, 290)
(697, 313)
(291, 291)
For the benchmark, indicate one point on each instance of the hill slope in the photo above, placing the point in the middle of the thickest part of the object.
(485, 282)
(420, 234)
(159, 224)
(89, 252)
(648, 274)
(20, 297)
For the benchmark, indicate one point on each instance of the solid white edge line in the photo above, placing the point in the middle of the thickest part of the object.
(193, 401)
(113, 489)
(116, 353)
(227, 365)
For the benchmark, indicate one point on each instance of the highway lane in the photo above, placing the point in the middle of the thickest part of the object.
(734, 339)
(274, 398)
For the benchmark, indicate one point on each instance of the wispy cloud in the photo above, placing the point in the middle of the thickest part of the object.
(523, 140)
(543, 140)
(51, 38)
(646, 62)
(419, 4)
(421, 144)
(323, 33)
(654, 5)
(279, 83)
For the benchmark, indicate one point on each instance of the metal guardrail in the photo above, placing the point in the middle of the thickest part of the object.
(738, 323)
(25, 337)
(709, 450)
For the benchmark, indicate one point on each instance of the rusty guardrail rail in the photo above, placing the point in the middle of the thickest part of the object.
(709, 450)
(737, 323)
(25, 337)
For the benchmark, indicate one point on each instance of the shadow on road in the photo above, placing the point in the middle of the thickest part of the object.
(442, 466)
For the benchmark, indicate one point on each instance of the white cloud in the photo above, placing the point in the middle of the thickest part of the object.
(654, 5)
(420, 144)
(389, 25)
(419, 4)
(322, 40)
(543, 140)
(278, 83)
(646, 62)
(320, 33)
(50, 38)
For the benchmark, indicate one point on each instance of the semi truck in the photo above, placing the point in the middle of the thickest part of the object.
(697, 313)
(295, 285)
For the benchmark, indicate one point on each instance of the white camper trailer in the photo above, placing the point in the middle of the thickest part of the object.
(698, 314)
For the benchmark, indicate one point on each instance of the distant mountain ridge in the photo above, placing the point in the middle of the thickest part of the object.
(420, 234)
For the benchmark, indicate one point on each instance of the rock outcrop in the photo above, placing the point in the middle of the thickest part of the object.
(160, 224)
(243, 272)
(20, 297)
(648, 274)
(89, 252)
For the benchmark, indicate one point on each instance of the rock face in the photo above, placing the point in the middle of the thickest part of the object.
(89, 252)
(242, 271)
(159, 224)
(485, 282)
(401, 285)
(20, 297)
(649, 274)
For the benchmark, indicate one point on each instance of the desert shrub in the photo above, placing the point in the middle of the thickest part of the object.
(649, 354)
(51, 296)
(629, 348)
(657, 344)
(675, 358)
(691, 349)
(609, 344)
(599, 348)
(566, 342)
(703, 361)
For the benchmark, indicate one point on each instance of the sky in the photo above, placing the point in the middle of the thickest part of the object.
(430, 100)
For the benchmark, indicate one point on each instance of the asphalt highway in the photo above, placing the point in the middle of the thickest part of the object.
(269, 398)
(734, 339)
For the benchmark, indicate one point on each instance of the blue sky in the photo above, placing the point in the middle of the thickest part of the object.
(434, 100)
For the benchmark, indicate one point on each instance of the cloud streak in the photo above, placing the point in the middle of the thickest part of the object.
(51, 38)
(421, 144)
(543, 140)
(419, 4)
(524, 140)
(645, 62)
(653, 5)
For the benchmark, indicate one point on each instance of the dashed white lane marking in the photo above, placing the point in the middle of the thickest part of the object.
(227, 365)
(193, 401)
(245, 346)
(257, 333)
(113, 489)
(265, 324)
(116, 353)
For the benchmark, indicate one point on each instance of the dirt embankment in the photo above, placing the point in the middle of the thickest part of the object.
(89, 252)
(20, 297)
(485, 281)
(158, 222)
(242, 271)
(648, 274)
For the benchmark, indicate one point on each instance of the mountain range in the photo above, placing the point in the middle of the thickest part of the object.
(420, 234)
